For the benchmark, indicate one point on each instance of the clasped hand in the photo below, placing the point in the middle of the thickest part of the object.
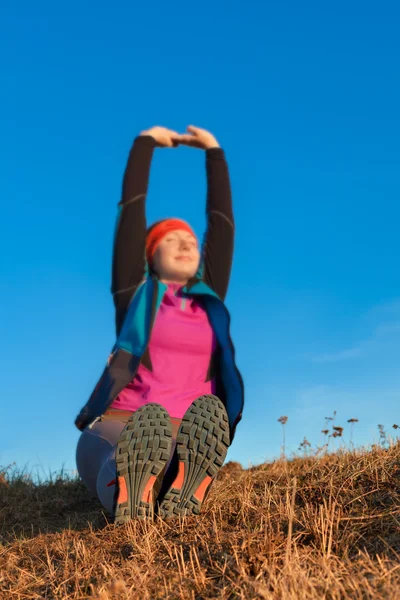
(195, 137)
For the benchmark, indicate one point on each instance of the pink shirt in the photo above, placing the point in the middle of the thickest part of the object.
(181, 345)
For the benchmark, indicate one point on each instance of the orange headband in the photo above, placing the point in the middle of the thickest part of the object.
(160, 230)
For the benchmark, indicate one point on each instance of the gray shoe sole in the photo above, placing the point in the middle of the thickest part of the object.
(201, 446)
(143, 450)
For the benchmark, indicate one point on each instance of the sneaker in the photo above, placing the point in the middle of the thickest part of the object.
(143, 450)
(201, 445)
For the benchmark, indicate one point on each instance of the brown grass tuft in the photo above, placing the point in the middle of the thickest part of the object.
(307, 529)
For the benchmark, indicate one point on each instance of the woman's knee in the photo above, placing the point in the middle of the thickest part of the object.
(93, 449)
(106, 482)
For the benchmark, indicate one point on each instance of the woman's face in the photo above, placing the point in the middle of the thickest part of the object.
(177, 257)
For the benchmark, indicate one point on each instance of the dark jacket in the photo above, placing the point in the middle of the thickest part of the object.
(138, 293)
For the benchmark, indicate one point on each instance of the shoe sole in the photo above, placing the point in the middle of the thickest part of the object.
(201, 446)
(143, 450)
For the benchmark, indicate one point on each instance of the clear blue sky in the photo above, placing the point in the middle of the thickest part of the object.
(304, 97)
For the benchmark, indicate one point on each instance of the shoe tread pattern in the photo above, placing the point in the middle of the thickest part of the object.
(143, 450)
(202, 444)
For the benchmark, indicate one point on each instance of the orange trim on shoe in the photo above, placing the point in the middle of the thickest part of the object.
(146, 496)
(201, 490)
(179, 479)
(122, 492)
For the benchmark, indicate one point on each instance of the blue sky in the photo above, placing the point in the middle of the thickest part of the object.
(304, 100)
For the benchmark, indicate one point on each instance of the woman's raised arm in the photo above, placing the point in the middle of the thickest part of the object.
(220, 233)
(128, 264)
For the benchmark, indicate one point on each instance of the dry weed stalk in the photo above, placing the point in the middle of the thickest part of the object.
(283, 420)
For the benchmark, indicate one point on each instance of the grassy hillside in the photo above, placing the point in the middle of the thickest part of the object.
(310, 528)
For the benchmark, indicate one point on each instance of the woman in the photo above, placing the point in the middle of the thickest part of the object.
(159, 422)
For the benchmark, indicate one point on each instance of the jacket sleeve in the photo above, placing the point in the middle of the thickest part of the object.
(219, 238)
(128, 263)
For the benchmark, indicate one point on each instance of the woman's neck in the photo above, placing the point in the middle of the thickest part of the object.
(174, 282)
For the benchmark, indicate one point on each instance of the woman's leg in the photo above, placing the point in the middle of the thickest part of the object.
(202, 443)
(95, 456)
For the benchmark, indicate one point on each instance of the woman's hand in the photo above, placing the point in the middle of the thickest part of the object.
(198, 138)
(165, 138)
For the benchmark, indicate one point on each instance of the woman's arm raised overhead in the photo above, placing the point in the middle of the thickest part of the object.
(128, 264)
(220, 233)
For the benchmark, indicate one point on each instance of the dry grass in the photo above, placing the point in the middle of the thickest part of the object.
(300, 530)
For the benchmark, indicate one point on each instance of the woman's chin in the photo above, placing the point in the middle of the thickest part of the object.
(182, 274)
